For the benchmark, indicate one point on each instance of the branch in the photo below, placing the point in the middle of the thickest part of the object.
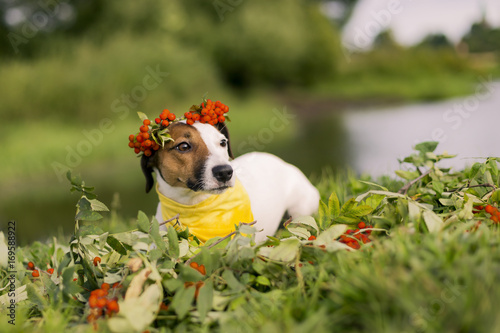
(176, 217)
(405, 188)
(220, 240)
(472, 186)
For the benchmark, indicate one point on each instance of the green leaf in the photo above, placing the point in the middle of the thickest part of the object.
(323, 215)
(232, 282)
(426, 147)
(262, 280)
(330, 234)
(116, 245)
(85, 215)
(173, 242)
(348, 206)
(205, 299)
(408, 175)
(306, 220)
(126, 238)
(359, 211)
(86, 230)
(433, 222)
(70, 287)
(143, 222)
(373, 184)
(474, 170)
(438, 187)
(493, 167)
(155, 234)
(299, 232)
(374, 200)
(142, 116)
(333, 205)
(287, 251)
(98, 206)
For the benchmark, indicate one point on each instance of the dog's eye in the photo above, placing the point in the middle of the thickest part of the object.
(223, 142)
(183, 146)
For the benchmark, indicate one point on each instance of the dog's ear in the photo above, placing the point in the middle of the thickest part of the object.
(223, 129)
(147, 169)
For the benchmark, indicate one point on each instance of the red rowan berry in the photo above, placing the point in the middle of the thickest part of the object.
(31, 266)
(35, 273)
(131, 137)
(97, 260)
(101, 302)
(131, 145)
(188, 115)
(140, 138)
(221, 119)
(164, 123)
(144, 128)
(113, 306)
(190, 122)
(489, 209)
(312, 237)
(196, 117)
(163, 116)
(157, 120)
(93, 301)
(50, 271)
(145, 136)
(147, 152)
(105, 286)
(146, 122)
(171, 116)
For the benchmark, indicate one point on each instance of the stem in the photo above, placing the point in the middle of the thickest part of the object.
(405, 188)
(176, 217)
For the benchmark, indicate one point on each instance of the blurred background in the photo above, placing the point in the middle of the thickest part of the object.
(326, 85)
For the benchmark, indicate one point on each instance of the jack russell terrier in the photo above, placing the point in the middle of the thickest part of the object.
(197, 179)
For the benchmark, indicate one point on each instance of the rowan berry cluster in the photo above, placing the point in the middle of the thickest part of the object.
(101, 304)
(36, 272)
(207, 112)
(352, 237)
(493, 211)
(152, 136)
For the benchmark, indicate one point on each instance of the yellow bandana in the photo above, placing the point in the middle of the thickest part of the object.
(215, 216)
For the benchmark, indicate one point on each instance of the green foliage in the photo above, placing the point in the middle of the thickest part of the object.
(430, 263)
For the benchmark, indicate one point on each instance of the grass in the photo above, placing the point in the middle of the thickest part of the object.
(405, 282)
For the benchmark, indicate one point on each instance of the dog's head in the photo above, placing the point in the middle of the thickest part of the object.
(197, 159)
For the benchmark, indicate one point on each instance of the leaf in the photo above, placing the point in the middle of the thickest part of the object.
(155, 234)
(86, 230)
(262, 280)
(333, 205)
(299, 232)
(374, 200)
(360, 211)
(173, 242)
(330, 234)
(438, 186)
(474, 170)
(408, 175)
(98, 206)
(205, 299)
(69, 286)
(183, 300)
(143, 222)
(142, 116)
(348, 206)
(323, 217)
(426, 147)
(414, 211)
(373, 184)
(306, 220)
(232, 282)
(85, 215)
(286, 251)
(384, 193)
(116, 245)
(432, 221)
(126, 238)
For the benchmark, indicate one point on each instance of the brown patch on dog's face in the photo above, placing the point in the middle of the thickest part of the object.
(182, 161)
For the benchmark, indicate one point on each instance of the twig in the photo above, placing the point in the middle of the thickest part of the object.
(176, 217)
(405, 188)
(220, 240)
(472, 186)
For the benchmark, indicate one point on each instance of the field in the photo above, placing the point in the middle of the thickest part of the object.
(426, 259)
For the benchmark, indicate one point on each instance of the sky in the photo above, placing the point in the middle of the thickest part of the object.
(412, 20)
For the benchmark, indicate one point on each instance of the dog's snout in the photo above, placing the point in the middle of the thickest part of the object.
(222, 173)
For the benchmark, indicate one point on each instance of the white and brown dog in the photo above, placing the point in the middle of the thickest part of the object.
(197, 166)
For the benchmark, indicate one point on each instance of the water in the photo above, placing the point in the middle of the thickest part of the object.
(466, 126)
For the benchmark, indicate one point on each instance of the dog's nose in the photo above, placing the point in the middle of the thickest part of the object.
(222, 173)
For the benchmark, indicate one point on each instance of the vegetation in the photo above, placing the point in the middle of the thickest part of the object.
(431, 264)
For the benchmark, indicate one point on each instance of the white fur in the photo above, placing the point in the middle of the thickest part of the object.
(273, 185)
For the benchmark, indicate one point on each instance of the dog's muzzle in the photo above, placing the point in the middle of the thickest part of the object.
(223, 173)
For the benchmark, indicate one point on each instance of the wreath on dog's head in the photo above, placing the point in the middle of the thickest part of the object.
(153, 135)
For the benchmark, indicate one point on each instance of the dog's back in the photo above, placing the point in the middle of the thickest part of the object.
(274, 187)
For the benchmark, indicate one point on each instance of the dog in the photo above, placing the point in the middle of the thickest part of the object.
(197, 167)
